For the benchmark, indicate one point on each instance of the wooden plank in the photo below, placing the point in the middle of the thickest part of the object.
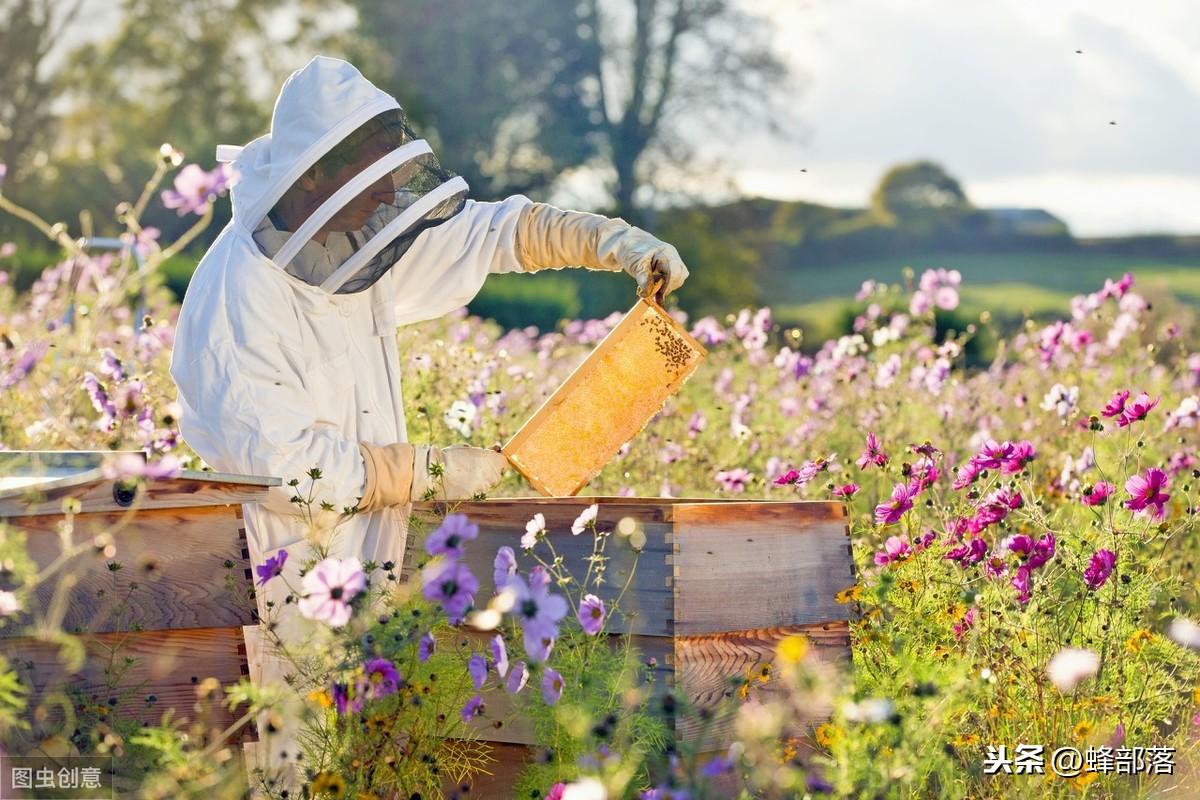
(167, 664)
(706, 664)
(559, 512)
(500, 779)
(606, 401)
(97, 494)
(759, 567)
(173, 570)
(647, 605)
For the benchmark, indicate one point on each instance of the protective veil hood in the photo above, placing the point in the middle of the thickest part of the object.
(340, 188)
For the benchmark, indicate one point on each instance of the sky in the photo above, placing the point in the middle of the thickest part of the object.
(995, 91)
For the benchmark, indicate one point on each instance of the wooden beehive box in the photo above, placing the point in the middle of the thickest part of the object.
(717, 585)
(177, 603)
(606, 401)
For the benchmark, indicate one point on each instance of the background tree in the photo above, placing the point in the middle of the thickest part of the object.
(29, 32)
(501, 88)
(916, 191)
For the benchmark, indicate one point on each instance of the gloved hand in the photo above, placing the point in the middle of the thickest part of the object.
(550, 238)
(401, 472)
(466, 471)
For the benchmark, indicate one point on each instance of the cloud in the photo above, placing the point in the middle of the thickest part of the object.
(996, 93)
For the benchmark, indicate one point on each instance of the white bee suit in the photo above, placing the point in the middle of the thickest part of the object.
(277, 375)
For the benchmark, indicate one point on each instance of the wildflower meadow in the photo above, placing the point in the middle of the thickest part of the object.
(1022, 532)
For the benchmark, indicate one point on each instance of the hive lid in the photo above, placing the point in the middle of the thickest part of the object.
(606, 401)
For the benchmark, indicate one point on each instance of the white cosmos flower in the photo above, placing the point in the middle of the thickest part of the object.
(1185, 632)
(585, 519)
(459, 416)
(1070, 666)
(585, 789)
(533, 528)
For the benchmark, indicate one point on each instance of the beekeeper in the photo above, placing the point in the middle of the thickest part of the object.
(344, 227)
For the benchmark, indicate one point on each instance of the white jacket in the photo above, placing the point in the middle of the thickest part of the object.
(276, 376)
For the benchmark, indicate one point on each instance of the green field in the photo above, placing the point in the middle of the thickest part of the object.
(1010, 286)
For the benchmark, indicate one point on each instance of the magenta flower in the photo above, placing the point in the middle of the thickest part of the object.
(451, 536)
(195, 189)
(499, 655)
(591, 614)
(504, 566)
(452, 585)
(1115, 406)
(807, 471)
(787, 478)
(477, 669)
(1137, 410)
(273, 567)
(967, 474)
(734, 480)
(924, 475)
(891, 511)
(1148, 491)
(1098, 495)
(552, 686)
(472, 709)
(993, 454)
(1034, 553)
(894, 549)
(1099, 568)
(328, 589)
(847, 490)
(1022, 454)
(1020, 582)
(426, 647)
(964, 624)
(873, 454)
(383, 678)
(970, 552)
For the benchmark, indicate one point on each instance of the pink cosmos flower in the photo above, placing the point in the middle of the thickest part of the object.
(847, 490)
(1099, 568)
(964, 624)
(891, 511)
(1115, 406)
(1098, 495)
(328, 589)
(734, 480)
(873, 454)
(195, 189)
(894, 549)
(1137, 410)
(971, 552)
(1020, 582)
(1148, 491)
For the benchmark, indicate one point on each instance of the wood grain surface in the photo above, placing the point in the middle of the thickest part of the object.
(175, 569)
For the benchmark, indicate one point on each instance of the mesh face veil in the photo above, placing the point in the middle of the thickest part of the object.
(348, 219)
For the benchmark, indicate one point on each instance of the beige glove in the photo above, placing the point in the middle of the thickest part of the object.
(550, 238)
(400, 473)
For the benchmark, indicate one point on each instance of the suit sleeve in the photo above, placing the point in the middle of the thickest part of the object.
(447, 265)
(246, 411)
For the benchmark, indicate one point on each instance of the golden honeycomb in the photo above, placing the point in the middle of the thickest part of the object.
(605, 402)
